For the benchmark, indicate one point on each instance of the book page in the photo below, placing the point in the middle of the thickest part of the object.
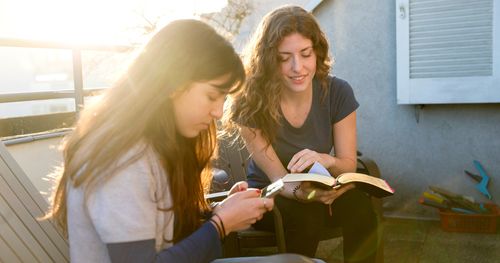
(300, 177)
(363, 178)
(317, 168)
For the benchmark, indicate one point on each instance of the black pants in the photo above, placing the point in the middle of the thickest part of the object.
(304, 222)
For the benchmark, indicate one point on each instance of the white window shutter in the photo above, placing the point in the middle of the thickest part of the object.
(448, 51)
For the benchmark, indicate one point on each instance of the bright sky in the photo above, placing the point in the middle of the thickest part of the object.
(92, 21)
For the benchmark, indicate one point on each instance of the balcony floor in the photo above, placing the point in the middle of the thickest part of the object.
(412, 241)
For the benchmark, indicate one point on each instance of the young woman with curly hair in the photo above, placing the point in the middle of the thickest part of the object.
(292, 113)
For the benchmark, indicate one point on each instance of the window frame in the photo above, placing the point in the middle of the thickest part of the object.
(449, 90)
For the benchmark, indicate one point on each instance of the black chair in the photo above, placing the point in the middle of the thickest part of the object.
(231, 168)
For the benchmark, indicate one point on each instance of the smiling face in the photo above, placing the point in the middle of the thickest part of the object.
(196, 107)
(298, 62)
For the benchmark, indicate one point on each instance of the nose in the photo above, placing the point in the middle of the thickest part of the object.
(296, 64)
(217, 110)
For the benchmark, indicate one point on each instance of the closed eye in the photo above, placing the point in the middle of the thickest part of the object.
(284, 58)
(217, 95)
(307, 53)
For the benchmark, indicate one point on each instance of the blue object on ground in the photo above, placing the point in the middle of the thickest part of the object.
(482, 178)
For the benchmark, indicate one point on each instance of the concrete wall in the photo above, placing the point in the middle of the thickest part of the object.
(411, 154)
(413, 147)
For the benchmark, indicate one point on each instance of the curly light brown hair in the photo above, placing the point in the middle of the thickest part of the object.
(257, 104)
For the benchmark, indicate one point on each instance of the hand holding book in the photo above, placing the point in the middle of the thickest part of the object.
(320, 176)
(326, 196)
(309, 191)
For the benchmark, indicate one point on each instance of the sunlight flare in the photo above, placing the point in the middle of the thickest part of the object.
(93, 21)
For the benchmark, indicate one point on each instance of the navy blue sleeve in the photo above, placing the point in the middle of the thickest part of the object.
(201, 246)
(342, 100)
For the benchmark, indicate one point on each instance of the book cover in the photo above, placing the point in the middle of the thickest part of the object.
(320, 175)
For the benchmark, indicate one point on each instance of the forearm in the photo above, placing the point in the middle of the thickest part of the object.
(201, 246)
(270, 164)
(345, 145)
(263, 154)
(275, 170)
(340, 165)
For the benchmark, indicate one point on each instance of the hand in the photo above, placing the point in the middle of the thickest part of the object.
(310, 193)
(242, 209)
(238, 187)
(306, 158)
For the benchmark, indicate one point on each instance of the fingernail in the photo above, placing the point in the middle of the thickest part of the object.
(258, 191)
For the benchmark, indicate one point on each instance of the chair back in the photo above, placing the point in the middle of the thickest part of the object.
(232, 162)
(23, 237)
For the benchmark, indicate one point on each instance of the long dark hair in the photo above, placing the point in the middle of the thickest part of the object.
(138, 110)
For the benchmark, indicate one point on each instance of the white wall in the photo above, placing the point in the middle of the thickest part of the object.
(411, 154)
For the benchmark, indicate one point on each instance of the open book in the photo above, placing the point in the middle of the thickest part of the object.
(320, 175)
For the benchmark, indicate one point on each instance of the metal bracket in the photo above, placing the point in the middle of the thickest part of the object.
(402, 11)
(418, 109)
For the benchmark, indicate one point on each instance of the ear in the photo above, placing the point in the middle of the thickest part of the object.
(175, 94)
(179, 91)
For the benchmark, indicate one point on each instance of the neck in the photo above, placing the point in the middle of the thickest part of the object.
(296, 98)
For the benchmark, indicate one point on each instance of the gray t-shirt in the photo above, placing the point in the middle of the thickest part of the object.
(317, 131)
(120, 210)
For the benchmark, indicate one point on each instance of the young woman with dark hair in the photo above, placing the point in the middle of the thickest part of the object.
(137, 165)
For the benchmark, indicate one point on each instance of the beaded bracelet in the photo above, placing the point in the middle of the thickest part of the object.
(295, 189)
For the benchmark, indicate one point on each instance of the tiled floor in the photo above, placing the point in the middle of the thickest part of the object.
(412, 241)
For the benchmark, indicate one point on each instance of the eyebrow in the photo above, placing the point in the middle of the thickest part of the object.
(220, 88)
(302, 50)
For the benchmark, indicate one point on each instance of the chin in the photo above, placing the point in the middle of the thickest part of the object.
(297, 88)
(190, 133)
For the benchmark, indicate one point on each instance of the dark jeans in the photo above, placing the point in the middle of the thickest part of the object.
(278, 258)
(304, 223)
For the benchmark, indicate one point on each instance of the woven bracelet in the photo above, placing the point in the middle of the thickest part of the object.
(218, 229)
(222, 226)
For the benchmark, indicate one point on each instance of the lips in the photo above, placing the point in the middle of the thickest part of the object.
(298, 79)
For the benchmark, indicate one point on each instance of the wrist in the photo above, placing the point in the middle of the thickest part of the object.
(214, 205)
(298, 193)
(288, 190)
(330, 161)
(216, 220)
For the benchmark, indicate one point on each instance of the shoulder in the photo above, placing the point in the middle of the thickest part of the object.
(339, 88)
(138, 167)
(342, 99)
(338, 84)
(127, 199)
(133, 182)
